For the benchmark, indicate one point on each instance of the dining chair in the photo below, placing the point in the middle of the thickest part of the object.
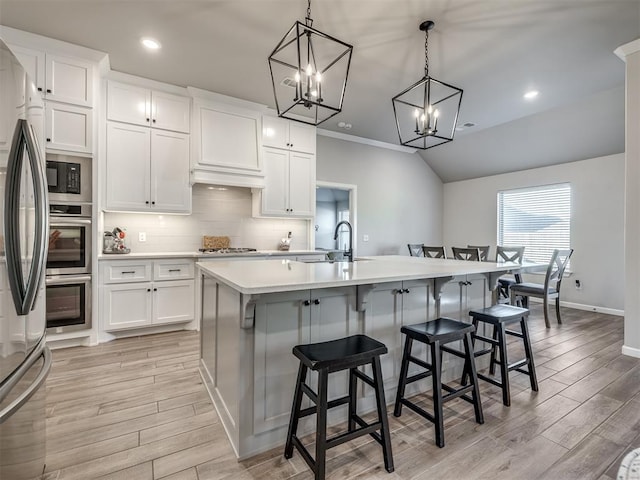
(551, 288)
(433, 252)
(484, 251)
(509, 254)
(415, 249)
(461, 253)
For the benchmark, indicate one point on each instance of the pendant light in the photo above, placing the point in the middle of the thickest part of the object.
(309, 71)
(427, 111)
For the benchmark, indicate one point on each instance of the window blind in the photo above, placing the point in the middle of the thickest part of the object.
(538, 218)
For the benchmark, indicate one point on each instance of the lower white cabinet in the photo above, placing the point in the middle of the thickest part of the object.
(144, 293)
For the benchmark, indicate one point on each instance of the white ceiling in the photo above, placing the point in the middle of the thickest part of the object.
(494, 50)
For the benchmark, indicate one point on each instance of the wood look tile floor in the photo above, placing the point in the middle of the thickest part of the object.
(136, 409)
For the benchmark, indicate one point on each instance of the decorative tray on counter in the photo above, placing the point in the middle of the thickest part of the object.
(117, 252)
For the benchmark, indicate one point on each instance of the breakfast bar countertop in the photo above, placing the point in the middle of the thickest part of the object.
(270, 276)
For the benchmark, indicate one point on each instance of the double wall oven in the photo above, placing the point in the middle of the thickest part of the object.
(68, 268)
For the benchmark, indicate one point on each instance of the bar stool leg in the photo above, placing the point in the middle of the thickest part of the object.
(436, 365)
(402, 383)
(492, 365)
(382, 415)
(295, 411)
(465, 369)
(475, 394)
(321, 425)
(529, 353)
(353, 388)
(504, 365)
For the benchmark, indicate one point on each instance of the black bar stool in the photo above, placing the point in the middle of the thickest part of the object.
(325, 358)
(436, 334)
(499, 316)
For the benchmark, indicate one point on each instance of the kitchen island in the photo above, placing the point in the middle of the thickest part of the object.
(254, 312)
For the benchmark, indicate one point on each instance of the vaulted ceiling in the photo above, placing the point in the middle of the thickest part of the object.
(494, 50)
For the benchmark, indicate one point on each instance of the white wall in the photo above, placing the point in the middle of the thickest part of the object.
(399, 196)
(215, 212)
(597, 222)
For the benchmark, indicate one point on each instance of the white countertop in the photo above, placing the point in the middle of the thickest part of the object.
(201, 255)
(269, 276)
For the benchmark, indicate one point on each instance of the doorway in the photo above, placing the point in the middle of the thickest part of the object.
(335, 202)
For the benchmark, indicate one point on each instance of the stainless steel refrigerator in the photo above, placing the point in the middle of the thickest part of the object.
(25, 360)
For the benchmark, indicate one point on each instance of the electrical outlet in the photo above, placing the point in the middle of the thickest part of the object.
(365, 238)
(578, 285)
(142, 237)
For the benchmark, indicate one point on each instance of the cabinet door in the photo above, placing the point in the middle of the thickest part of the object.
(170, 187)
(69, 80)
(302, 180)
(128, 103)
(477, 294)
(173, 301)
(281, 322)
(275, 132)
(170, 112)
(33, 63)
(417, 307)
(276, 189)
(228, 138)
(126, 305)
(68, 127)
(302, 138)
(128, 167)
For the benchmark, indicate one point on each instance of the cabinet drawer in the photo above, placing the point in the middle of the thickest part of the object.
(123, 272)
(173, 269)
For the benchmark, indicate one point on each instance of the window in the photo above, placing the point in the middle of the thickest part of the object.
(538, 218)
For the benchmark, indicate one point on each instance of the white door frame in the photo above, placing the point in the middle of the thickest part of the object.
(353, 196)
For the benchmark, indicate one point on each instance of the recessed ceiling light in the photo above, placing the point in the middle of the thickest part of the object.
(531, 94)
(150, 43)
(346, 126)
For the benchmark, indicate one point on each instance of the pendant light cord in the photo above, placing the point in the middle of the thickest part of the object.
(426, 52)
(308, 20)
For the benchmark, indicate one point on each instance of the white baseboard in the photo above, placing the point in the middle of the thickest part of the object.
(581, 306)
(630, 351)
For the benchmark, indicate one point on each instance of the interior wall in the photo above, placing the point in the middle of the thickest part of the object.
(219, 211)
(399, 196)
(597, 222)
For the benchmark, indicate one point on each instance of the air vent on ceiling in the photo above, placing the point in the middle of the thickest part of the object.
(464, 126)
(289, 82)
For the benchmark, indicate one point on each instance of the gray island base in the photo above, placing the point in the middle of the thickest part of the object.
(254, 312)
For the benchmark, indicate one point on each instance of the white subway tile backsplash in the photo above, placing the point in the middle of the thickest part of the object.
(215, 211)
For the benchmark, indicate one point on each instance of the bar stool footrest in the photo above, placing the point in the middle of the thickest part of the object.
(305, 412)
(492, 381)
(347, 436)
(419, 410)
(518, 364)
(514, 333)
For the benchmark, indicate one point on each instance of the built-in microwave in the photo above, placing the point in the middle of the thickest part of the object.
(69, 178)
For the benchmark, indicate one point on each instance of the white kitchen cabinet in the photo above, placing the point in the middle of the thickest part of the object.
(151, 108)
(287, 134)
(282, 321)
(289, 189)
(145, 293)
(147, 170)
(226, 143)
(59, 78)
(389, 306)
(68, 128)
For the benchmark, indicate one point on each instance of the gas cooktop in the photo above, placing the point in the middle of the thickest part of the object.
(222, 251)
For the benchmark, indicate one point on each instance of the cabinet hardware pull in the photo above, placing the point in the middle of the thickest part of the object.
(154, 120)
(307, 303)
(48, 139)
(39, 89)
(174, 269)
(132, 272)
(148, 119)
(48, 90)
(406, 290)
(155, 289)
(153, 203)
(400, 291)
(147, 202)
(148, 289)
(316, 302)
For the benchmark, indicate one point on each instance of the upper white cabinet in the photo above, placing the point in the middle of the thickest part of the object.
(142, 106)
(289, 184)
(147, 170)
(68, 127)
(59, 78)
(280, 133)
